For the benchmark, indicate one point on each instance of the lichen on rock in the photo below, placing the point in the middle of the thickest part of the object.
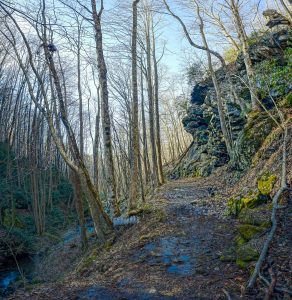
(266, 183)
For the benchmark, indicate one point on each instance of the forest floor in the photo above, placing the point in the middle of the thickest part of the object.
(172, 253)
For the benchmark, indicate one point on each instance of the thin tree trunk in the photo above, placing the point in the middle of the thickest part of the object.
(106, 124)
(247, 60)
(287, 9)
(77, 188)
(155, 179)
(157, 116)
(135, 118)
(146, 162)
(220, 105)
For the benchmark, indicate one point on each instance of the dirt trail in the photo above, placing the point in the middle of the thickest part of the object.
(174, 258)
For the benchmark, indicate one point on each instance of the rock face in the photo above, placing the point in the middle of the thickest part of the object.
(275, 18)
(208, 150)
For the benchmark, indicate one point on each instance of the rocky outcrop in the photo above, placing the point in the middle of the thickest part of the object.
(269, 46)
(208, 150)
(275, 18)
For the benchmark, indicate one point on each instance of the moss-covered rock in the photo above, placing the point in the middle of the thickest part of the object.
(239, 240)
(259, 216)
(266, 183)
(258, 127)
(234, 205)
(250, 200)
(249, 231)
(246, 253)
(229, 255)
(254, 199)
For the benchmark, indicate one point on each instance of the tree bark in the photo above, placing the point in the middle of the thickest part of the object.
(155, 179)
(247, 60)
(220, 104)
(106, 124)
(77, 188)
(135, 118)
(157, 115)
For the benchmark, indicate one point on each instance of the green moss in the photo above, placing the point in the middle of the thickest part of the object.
(234, 205)
(266, 183)
(228, 256)
(9, 221)
(259, 216)
(242, 264)
(258, 127)
(87, 262)
(197, 173)
(239, 240)
(274, 75)
(108, 245)
(246, 253)
(251, 200)
(287, 101)
(247, 231)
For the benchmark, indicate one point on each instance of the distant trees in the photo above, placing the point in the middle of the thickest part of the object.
(58, 109)
(101, 220)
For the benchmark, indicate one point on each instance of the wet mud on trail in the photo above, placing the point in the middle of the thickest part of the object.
(177, 257)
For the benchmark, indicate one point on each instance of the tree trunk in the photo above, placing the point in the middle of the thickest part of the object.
(77, 188)
(135, 119)
(247, 60)
(106, 124)
(146, 162)
(220, 104)
(155, 179)
(157, 116)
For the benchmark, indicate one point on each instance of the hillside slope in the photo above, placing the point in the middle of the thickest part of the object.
(185, 245)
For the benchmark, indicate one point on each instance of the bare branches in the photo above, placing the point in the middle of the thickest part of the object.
(190, 40)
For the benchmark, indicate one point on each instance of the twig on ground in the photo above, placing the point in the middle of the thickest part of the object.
(272, 285)
(227, 294)
(277, 289)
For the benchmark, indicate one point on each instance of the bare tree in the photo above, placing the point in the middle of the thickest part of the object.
(135, 120)
(234, 8)
(102, 72)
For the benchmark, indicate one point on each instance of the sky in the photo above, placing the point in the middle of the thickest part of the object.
(177, 49)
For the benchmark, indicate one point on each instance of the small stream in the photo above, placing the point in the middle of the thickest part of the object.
(10, 273)
(12, 276)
